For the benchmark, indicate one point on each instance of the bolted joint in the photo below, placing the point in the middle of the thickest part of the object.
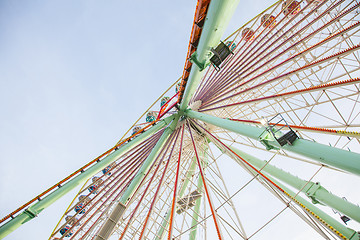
(200, 65)
(267, 145)
(267, 140)
(181, 113)
(311, 192)
(30, 213)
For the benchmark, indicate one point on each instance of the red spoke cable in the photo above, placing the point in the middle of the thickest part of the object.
(282, 52)
(136, 155)
(242, 61)
(203, 83)
(162, 112)
(133, 169)
(144, 146)
(274, 184)
(291, 93)
(147, 187)
(282, 43)
(166, 147)
(130, 177)
(242, 159)
(159, 186)
(325, 59)
(175, 186)
(88, 203)
(213, 102)
(123, 172)
(214, 214)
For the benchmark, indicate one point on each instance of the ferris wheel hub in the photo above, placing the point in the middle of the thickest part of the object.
(195, 105)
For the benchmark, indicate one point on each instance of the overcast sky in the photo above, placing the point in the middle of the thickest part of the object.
(74, 76)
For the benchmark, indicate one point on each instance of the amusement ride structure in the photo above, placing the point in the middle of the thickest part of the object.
(273, 107)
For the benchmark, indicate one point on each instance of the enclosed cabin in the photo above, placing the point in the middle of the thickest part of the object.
(85, 199)
(92, 189)
(231, 45)
(80, 207)
(96, 183)
(163, 101)
(135, 130)
(72, 220)
(108, 169)
(268, 21)
(151, 116)
(291, 7)
(248, 34)
(65, 231)
(177, 88)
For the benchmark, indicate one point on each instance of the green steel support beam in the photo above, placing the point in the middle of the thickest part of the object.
(120, 208)
(347, 232)
(189, 175)
(217, 19)
(148, 162)
(164, 225)
(165, 222)
(345, 160)
(36, 208)
(195, 217)
(314, 191)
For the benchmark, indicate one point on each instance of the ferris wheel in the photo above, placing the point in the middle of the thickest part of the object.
(251, 142)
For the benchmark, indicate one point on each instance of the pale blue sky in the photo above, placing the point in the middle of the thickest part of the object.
(74, 76)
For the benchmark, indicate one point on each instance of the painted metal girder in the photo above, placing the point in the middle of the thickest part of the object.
(339, 158)
(217, 19)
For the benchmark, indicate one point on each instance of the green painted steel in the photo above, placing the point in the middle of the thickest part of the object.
(342, 159)
(217, 19)
(240, 128)
(314, 191)
(36, 208)
(149, 160)
(189, 175)
(195, 217)
(164, 225)
(347, 232)
(196, 213)
(109, 224)
(165, 221)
